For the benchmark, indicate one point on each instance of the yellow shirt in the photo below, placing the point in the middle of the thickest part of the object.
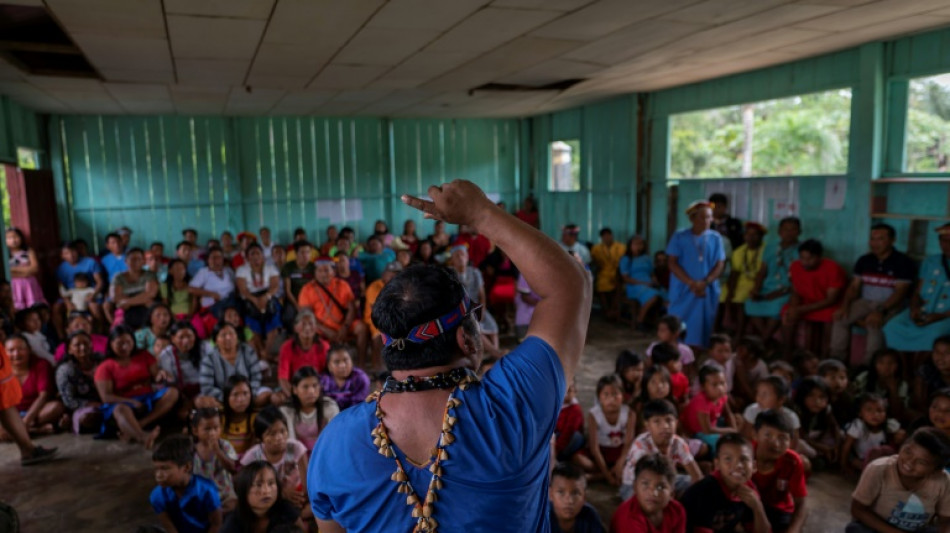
(746, 264)
(606, 261)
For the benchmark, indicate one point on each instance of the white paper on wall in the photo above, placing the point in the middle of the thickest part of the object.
(836, 189)
(339, 211)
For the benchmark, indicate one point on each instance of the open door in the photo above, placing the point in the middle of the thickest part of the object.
(33, 211)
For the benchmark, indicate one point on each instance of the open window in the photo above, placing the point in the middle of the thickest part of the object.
(565, 165)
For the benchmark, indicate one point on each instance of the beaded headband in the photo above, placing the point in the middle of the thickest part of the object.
(433, 328)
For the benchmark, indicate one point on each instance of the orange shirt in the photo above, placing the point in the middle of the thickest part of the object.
(327, 312)
(10, 392)
(372, 292)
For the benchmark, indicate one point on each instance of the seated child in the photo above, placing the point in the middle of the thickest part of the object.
(629, 367)
(260, 505)
(569, 431)
(907, 491)
(840, 399)
(77, 298)
(726, 501)
(652, 508)
(237, 420)
(215, 458)
(783, 369)
(933, 374)
(749, 354)
(668, 331)
(779, 473)
(184, 502)
(806, 364)
(287, 456)
(310, 411)
(820, 433)
(659, 417)
(939, 412)
(611, 426)
(702, 413)
(666, 355)
(870, 435)
(720, 353)
(343, 382)
(569, 510)
(884, 377)
(770, 393)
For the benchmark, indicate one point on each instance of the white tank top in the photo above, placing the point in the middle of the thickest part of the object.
(610, 436)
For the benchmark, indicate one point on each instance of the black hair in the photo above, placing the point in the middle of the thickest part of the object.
(415, 296)
(199, 414)
(813, 421)
(605, 231)
(658, 464)
(567, 471)
(233, 382)
(718, 198)
(243, 483)
(799, 358)
(663, 353)
(189, 230)
(70, 245)
(347, 229)
(886, 227)
(114, 334)
(806, 387)
(170, 280)
(300, 244)
(709, 369)
(778, 384)
(252, 246)
(871, 384)
(719, 338)
(672, 323)
(753, 345)
(113, 235)
(626, 359)
(830, 365)
(781, 365)
(155, 307)
(157, 243)
(658, 408)
(81, 276)
(940, 393)
(627, 251)
(812, 246)
(791, 220)
(135, 250)
(266, 418)
(610, 380)
(943, 339)
(936, 442)
(69, 338)
(773, 418)
(180, 244)
(177, 449)
(222, 325)
(19, 233)
(735, 439)
(299, 231)
(194, 355)
(648, 375)
(301, 374)
(869, 397)
(19, 318)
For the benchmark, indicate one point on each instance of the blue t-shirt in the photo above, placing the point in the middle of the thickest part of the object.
(114, 265)
(496, 477)
(66, 272)
(194, 266)
(587, 521)
(191, 513)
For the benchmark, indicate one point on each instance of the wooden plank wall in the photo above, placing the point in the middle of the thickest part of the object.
(160, 174)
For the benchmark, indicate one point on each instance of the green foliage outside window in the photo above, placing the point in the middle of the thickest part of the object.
(927, 137)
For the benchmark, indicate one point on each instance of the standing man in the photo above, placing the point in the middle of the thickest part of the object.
(605, 257)
(443, 416)
(727, 225)
(696, 258)
(878, 291)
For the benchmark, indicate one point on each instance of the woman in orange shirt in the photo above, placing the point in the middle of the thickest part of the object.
(11, 425)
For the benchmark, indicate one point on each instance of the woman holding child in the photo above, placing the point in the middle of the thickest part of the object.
(75, 380)
(135, 290)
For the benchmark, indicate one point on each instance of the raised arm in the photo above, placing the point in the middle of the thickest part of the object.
(561, 317)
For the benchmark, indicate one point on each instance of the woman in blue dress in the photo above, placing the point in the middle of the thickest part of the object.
(696, 258)
(916, 328)
(636, 271)
(772, 285)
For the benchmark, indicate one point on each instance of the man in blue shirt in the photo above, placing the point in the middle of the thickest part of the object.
(447, 449)
(114, 261)
(74, 264)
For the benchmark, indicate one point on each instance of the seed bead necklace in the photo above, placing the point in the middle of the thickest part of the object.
(423, 509)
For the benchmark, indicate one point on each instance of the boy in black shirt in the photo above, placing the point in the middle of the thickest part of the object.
(726, 499)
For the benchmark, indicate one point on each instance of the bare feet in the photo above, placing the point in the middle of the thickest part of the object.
(150, 438)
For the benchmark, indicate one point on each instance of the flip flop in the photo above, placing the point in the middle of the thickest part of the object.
(40, 455)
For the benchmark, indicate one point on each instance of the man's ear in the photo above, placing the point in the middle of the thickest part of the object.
(465, 342)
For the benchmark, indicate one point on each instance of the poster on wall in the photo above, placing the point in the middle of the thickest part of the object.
(836, 189)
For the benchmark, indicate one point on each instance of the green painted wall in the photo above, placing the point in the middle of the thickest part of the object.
(19, 126)
(161, 174)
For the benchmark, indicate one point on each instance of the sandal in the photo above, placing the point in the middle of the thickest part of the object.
(40, 455)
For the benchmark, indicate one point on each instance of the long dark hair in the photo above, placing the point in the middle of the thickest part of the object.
(871, 384)
(194, 355)
(155, 307)
(69, 339)
(170, 280)
(229, 385)
(117, 332)
(647, 376)
(19, 232)
(243, 482)
(808, 419)
(300, 375)
(628, 253)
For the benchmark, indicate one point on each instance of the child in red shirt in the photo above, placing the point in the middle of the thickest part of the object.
(569, 432)
(780, 473)
(652, 508)
(703, 412)
(668, 356)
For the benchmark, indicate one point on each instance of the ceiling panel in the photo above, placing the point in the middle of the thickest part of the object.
(874, 13)
(423, 14)
(383, 46)
(111, 52)
(118, 18)
(245, 9)
(551, 71)
(722, 11)
(633, 41)
(892, 28)
(257, 101)
(489, 28)
(221, 73)
(346, 76)
(214, 38)
(605, 16)
(286, 66)
(556, 5)
(323, 23)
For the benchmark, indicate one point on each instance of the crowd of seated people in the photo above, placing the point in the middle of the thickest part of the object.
(254, 347)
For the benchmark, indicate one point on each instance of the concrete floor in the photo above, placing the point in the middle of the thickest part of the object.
(103, 486)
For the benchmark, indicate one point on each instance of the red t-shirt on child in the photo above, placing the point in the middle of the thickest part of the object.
(292, 358)
(131, 380)
(785, 482)
(701, 404)
(569, 421)
(680, 385)
(629, 518)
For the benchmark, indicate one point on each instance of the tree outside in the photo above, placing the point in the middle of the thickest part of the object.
(927, 138)
(802, 135)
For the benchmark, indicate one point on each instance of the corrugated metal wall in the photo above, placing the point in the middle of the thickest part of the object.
(158, 175)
